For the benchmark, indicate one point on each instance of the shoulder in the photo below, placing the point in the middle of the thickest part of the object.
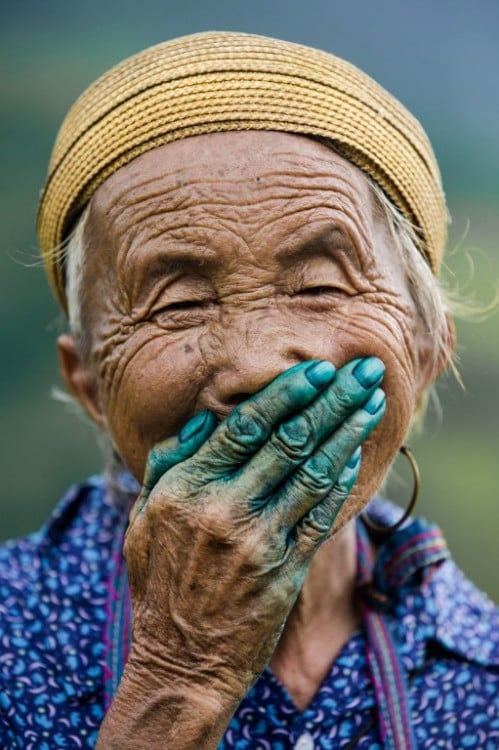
(447, 612)
(41, 573)
(447, 632)
(83, 519)
(467, 621)
(67, 561)
(431, 599)
(455, 702)
(455, 688)
(55, 590)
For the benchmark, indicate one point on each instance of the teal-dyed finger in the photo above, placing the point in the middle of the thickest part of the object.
(350, 471)
(174, 450)
(369, 371)
(249, 425)
(295, 439)
(314, 528)
(376, 402)
(320, 374)
(345, 396)
(354, 458)
(193, 426)
(313, 480)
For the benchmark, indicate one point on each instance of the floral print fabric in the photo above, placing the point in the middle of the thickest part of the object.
(54, 611)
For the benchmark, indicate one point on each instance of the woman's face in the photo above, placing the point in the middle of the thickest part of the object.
(217, 262)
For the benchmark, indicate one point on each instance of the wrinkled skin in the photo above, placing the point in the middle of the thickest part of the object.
(215, 265)
(246, 511)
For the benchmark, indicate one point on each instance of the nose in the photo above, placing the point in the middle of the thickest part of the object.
(248, 359)
(247, 374)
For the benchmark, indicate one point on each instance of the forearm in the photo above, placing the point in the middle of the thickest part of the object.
(219, 544)
(153, 711)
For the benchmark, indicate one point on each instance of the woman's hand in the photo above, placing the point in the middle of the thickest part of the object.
(229, 518)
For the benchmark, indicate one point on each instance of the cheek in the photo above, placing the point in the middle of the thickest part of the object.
(363, 329)
(154, 395)
(358, 334)
(358, 329)
(154, 381)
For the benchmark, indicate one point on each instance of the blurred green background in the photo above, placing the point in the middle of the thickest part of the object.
(441, 59)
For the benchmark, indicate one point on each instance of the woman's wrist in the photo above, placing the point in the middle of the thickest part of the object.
(154, 707)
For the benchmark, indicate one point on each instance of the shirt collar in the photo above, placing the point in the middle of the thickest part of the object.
(436, 605)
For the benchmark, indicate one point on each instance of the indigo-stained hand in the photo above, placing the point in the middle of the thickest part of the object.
(230, 516)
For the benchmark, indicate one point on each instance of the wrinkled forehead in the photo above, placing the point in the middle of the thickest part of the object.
(211, 167)
(223, 82)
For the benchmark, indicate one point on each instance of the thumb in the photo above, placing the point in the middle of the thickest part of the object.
(173, 451)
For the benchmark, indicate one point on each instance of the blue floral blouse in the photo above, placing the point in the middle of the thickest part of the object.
(58, 595)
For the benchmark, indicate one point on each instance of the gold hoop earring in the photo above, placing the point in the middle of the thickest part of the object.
(385, 530)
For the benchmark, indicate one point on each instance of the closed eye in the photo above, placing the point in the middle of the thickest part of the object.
(185, 305)
(182, 314)
(315, 291)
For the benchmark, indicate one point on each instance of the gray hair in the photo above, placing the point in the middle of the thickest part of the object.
(74, 252)
(430, 298)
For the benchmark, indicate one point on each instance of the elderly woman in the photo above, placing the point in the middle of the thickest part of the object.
(245, 235)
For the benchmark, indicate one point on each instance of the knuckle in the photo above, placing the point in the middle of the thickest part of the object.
(317, 474)
(221, 540)
(335, 500)
(316, 527)
(294, 438)
(353, 431)
(261, 553)
(340, 400)
(179, 481)
(244, 427)
(319, 521)
(346, 482)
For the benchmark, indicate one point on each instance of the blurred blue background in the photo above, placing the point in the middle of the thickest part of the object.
(441, 59)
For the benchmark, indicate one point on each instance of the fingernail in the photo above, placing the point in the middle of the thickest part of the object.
(369, 371)
(375, 402)
(320, 374)
(193, 426)
(354, 458)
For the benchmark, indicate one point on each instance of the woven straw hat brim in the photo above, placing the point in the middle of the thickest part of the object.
(221, 81)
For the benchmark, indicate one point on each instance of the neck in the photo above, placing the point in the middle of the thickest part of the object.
(321, 621)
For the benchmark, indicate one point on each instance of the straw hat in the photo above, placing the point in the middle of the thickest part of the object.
(219, 81)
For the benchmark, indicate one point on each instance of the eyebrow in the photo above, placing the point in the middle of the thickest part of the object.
(186, 262)
(167, 264)
(322, 242)
(170, 262)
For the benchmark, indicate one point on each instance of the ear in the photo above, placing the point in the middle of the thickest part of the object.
(430, 367)
(79, 380)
